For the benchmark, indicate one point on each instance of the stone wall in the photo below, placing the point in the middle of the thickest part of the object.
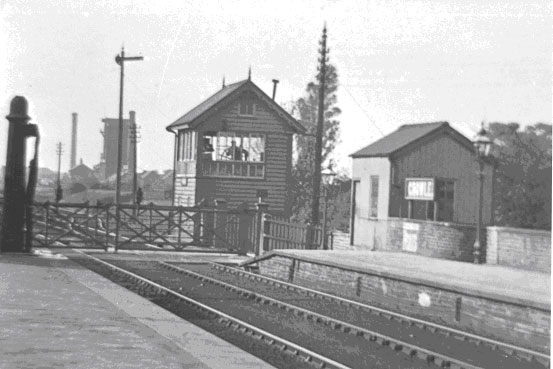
(520, 248)
(443, 240)
(505, 321)
(514, 247)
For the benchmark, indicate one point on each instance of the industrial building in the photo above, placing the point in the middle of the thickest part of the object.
(108, 160)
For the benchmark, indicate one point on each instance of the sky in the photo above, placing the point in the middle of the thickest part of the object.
(398, 62)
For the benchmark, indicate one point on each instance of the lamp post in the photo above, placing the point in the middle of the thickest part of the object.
(120, 60)
(482, 145)
(328, 176)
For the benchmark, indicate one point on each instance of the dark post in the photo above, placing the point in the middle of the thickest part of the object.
(308, 236)
(59, 191)
(220, 219)
(319, 134)
(13, 220)
(244, 222)
(30, 194)
(120, 60)
(323, 230)
(482, 145)
(477, 247)
(134, 143)
(265, 245)
(261, 211)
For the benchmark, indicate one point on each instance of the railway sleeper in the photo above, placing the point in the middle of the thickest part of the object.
(409, 351)
(455, 366)
(440, 362)
(396, 346)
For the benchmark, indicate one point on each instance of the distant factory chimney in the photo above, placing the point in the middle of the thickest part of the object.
(73, 161)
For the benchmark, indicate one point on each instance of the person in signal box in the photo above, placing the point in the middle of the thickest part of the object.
(236, 153)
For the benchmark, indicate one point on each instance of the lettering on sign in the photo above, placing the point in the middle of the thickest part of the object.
(419, 189)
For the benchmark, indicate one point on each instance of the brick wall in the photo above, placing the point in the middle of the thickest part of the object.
(520, 248)
(341, 241)
(451, 241)
(521, 325)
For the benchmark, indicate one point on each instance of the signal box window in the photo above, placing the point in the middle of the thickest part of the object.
(246, 107)
(233, 154)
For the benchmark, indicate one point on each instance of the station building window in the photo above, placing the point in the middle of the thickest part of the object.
(445, 196)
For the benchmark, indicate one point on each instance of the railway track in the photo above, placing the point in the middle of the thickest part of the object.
(318, 328)
(220, 271)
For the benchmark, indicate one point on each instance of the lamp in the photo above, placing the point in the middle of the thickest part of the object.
(482, 144)
(328, 175)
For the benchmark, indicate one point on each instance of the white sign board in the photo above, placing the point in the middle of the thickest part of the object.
(410, 236)
(419, 189)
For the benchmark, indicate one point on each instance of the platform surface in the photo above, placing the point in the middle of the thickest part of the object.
(57, 314)
(511, 285)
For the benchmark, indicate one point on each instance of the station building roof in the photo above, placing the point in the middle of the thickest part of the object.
(407, 135)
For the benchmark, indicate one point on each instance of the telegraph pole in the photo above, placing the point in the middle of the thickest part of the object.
(135, 138)
(319, 135)
(120, 60)
(59, 191)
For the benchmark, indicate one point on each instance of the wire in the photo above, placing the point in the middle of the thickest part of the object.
(364, 112)
(141, 91)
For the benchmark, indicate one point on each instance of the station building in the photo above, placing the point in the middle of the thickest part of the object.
(416, 190)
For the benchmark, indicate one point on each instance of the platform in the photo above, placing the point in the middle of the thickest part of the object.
(492, 281)
(507, 304)
(55, 313)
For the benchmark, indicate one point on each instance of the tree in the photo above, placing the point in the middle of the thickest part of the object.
(522, 187)
(306, 108)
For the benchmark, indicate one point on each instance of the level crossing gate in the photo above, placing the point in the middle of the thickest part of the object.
(147, 227)
(152, 227)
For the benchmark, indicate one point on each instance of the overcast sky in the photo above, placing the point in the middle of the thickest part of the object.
(398, 62)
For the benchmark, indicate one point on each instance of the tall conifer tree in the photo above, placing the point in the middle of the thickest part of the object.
(307, 108)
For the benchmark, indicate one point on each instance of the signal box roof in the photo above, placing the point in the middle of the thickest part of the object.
(196, 116)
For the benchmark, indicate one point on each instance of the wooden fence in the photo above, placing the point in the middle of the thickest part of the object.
(281, 234)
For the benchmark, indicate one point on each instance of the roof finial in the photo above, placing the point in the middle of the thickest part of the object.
(250, 73)
(223, 81)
